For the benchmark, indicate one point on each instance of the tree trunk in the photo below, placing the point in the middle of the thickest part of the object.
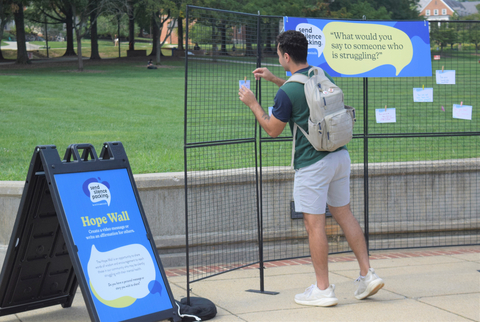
(268, 41)
(223, 35)
(248, 42)
(214, 41)
(69, 24)
(154, 37)
(131, 27)
(159, 50)
(2, 25)
(156, 33)
(180, 33)
(94, 40)
(3, 22)
(22, 55)
(79, 51)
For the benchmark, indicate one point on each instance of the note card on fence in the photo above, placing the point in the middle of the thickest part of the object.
(445, 77)
(245, 83)
(463, 112)
(385, 115)
(423, 95)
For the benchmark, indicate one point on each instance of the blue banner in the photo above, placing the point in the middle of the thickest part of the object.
(366, 48)
(116, 257)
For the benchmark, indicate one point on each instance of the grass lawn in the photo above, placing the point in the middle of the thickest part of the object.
(120, 100)
(113, 100)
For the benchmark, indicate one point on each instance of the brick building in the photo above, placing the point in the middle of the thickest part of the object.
(445, 9)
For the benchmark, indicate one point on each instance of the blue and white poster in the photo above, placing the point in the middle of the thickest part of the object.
(115, 255)
(366, 48)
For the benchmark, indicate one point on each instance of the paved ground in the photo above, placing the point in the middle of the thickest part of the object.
(13, 45)
(435, 284)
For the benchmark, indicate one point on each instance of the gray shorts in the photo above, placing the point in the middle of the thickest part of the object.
(324, 182)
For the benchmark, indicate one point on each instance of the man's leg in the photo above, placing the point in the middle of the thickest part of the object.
(321, 293)
(354, 234)
(368, 282)
(318, 242)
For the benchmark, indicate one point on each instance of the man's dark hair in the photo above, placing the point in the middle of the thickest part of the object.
(295, 44)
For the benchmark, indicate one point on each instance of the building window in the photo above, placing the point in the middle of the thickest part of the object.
(427, 12)
(435, 12)
(444, 12)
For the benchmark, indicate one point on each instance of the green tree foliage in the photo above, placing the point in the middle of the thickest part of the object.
(163, 14)
(107, 25)
(400, 9)
(396, 10)
(57, 12)
(442, 34)
(364, 8)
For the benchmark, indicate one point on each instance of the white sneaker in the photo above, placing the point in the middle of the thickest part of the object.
(368, 285)
(316, 297)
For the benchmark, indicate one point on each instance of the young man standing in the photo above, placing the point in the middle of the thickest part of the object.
(321, 177)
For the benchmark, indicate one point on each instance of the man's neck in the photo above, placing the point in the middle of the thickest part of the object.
(296, 67)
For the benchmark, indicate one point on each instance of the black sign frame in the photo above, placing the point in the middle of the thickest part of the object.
(42, 267)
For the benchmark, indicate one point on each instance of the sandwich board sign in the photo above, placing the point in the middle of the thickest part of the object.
(81, 222)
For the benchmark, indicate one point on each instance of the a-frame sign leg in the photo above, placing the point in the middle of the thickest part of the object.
(37, 271)
(71, 231)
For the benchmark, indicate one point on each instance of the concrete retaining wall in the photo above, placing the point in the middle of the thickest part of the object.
(405, 197)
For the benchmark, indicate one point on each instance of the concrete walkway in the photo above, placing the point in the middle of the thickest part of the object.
(434, 284)
(13, 45)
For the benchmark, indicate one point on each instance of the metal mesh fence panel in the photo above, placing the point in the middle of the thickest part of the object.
(430, 200)
(220, 144)
(414, 182)
(423, 170)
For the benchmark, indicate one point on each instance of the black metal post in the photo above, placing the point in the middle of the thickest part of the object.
(187, 261)
(365, 160)
(258, 177)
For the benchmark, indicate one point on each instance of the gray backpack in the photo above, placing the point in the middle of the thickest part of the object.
(330, 125)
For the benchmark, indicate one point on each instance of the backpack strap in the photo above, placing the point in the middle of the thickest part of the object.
(298, 78)
(295, 127)
(302, 79)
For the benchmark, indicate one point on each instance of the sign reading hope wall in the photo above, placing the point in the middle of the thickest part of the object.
(366, 49)
(115, 255)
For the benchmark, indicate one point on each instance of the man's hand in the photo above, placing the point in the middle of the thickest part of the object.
(271, 125)
(247, 96)
(267, 75)
(263, 73)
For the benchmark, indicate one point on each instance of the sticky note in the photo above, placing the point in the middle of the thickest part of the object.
(244, 83)
(385, 116)
(445, 77)
(423, 95)
(463, 112)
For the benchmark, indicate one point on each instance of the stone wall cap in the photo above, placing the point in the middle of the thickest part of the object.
(11, 188)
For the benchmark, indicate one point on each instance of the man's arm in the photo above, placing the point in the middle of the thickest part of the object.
(273, 126)
(267, 75)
